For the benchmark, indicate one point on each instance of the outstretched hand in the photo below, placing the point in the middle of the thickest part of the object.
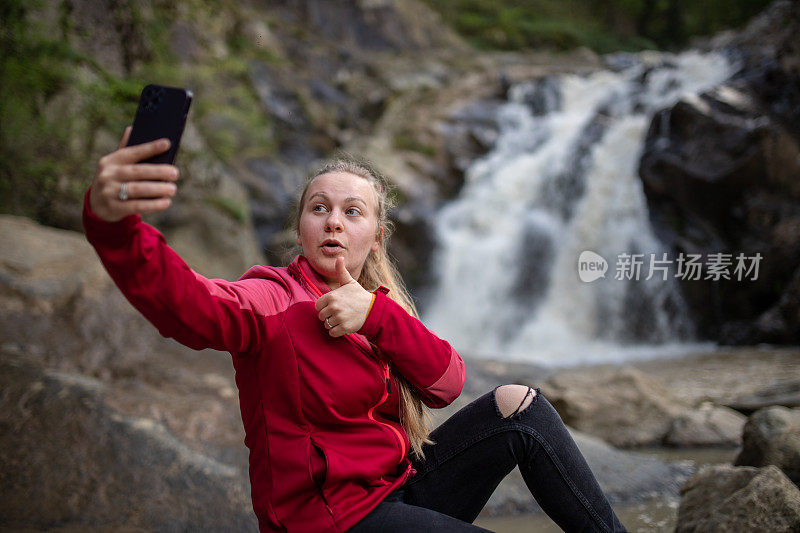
(344, 310)
(121, 187)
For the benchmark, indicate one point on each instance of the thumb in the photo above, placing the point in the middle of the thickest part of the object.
(341, 271)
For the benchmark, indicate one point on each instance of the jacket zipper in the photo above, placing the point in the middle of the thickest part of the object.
(383, 399)
(317, 483)
(385, 369)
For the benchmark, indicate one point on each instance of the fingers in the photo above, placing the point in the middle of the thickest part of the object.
(321, 303)
(325, 313)
(148, 190)
(334, 329)
(338, 331)
(130, 207)
(330, 322)
(125, 136)
(137, 152)
(148, 187)
(147, 171)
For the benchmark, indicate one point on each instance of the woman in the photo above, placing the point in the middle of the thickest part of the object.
(333, 372)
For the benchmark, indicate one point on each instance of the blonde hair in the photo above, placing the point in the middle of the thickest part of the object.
(379, 269)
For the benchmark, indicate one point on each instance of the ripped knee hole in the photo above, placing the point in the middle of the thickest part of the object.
(513, 399)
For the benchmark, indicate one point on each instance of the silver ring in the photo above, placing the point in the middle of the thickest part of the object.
(123, 191)
(329, 324)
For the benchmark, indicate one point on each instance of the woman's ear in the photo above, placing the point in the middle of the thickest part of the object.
(378, 240)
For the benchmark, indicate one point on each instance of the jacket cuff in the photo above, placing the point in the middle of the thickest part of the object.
(109, 233)
(372, 325)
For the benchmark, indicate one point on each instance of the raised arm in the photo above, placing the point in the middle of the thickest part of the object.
(196, 311)
(426, 361)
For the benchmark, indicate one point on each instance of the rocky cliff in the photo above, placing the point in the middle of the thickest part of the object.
(722, 175)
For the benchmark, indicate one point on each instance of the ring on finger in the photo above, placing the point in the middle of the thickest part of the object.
(328, 323)
(123, 191)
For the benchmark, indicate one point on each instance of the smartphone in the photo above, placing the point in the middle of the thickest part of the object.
(162, 113)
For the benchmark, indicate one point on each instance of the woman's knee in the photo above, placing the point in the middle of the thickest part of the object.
(513, 398)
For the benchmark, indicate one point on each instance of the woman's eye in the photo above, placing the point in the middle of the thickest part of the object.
(319, 208)
(353, 211)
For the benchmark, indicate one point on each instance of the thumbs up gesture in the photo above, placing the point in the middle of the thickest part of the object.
(344, 309)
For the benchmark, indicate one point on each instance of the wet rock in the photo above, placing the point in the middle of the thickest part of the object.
(707, 425)
(784, 392)
(470, 132)
(622, 406)
(728, 498)
(772, 437)
(720, 175)
(68, 459)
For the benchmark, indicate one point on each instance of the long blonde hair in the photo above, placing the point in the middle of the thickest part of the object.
(379, 269)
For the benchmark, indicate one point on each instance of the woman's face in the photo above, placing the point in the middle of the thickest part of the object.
(338, 218)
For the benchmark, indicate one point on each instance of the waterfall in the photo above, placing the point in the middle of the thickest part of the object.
(562, 179)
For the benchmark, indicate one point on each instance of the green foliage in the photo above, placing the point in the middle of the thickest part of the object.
(53, 99)
(229, 206)
(28, 139)
(602, 25)
(406, 141)
(57, 104)
(229, 112)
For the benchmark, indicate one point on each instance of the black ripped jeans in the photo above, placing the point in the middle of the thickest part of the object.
(474, 450)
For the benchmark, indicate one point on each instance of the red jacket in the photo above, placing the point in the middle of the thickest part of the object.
(321, 414)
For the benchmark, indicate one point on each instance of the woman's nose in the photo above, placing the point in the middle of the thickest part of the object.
(334, 222)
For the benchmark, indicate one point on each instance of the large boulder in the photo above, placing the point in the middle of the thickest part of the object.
(621, 406)
(772, 437)
(90, 389)
(58, 302)
(720, 177)
(727, 498)
(69, 459)
(784, 392)
(720, 174)
(707, 425)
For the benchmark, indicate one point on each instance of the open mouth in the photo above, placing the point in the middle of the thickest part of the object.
(331, 247)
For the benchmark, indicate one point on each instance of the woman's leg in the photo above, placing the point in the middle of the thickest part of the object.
(393, 515)
(478, 446)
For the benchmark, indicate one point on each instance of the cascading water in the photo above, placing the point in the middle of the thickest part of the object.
(562, 179)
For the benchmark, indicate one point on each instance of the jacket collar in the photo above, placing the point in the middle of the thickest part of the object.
(302, 270)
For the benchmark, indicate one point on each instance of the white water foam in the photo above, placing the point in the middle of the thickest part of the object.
(557, 182)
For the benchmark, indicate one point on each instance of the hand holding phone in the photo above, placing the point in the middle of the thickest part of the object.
(137, 177)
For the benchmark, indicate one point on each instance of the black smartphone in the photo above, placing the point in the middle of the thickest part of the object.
(162, 113)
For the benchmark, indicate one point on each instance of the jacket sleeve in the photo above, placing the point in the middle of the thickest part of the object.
(194, 310)
(426, 361)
